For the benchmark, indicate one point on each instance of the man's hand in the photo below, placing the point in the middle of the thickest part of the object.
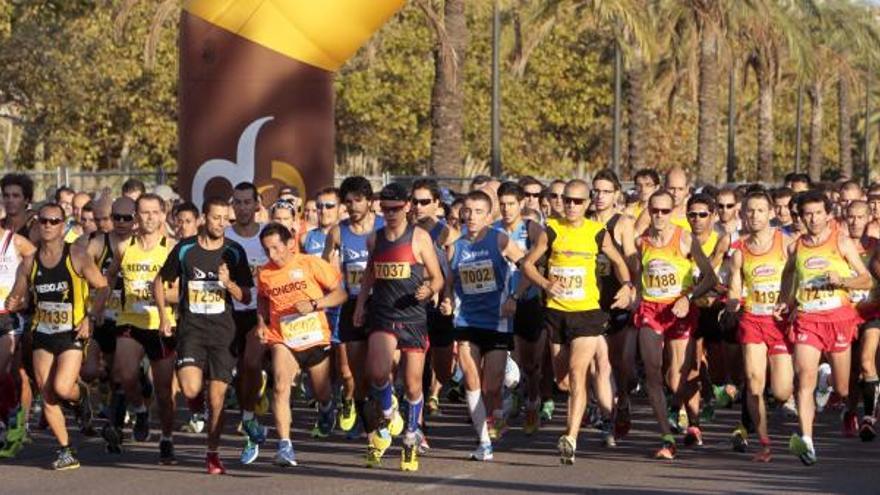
(359, 316)
(780, 312)
(681, 307)
(165, 326)
(555, 288)
(84, 329)
(424, 292)
(446, 306)
(304, 306)
(508, 309)
(223, 274)
(623, 298)
(261, 333)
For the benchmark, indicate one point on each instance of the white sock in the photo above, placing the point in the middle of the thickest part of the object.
(478, 415)
(247, 415)
(808, 441)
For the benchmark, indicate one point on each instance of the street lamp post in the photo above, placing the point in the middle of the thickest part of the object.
(618, 76)
(496, 91)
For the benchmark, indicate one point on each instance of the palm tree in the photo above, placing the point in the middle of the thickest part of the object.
(447, 92)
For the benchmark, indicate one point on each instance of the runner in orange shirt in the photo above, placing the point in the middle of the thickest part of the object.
(293, 290)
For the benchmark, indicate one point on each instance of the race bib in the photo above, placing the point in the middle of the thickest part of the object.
(661, 280)
(603, 265)
(113, 305)
(572, 279)
(53, 317)
(397, 270)
(354, 275)
(477, 277)
(142, 292)
(763, 297)
(302, 331)
(206, 297)
(816, 295)
(858, 296)
(4, 293)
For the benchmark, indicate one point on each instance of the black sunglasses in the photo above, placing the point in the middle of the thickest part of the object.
(423, 202)
(532, 195)
(117, 217)
(555, 196)
(51, 221)
(727, 206)
(660, 211)
(577, 201)
(698, 214)
(325, 206)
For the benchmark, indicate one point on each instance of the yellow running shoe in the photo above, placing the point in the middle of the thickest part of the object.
(395, 425)
(262, 406)
(533, 422)
(409, 458)
(378, 443)
(347, 415)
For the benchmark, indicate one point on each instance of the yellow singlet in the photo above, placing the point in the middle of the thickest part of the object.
(572, 261)
(139, 268)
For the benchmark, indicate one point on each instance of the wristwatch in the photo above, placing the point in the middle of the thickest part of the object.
(314, 304)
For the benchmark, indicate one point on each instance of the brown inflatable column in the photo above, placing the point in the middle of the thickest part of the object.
(256, 92)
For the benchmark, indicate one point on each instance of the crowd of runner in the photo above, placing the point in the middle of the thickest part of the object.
(377, 307)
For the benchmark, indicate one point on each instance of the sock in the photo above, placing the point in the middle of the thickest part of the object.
(414, 412)
(869, 394)
(283, 442)
(140, 409)
(808, 441)
(117, 408)
(247, 415)
(478, 415)
(383, 395)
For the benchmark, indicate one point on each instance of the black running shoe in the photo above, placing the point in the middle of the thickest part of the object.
(166, 452)
(141, 430)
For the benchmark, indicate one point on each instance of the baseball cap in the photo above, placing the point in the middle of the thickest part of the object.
(394, 192)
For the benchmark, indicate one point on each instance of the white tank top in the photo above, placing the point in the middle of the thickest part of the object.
(256, 258)
(9, 261)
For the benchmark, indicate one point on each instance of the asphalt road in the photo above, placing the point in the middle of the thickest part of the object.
(522, 464)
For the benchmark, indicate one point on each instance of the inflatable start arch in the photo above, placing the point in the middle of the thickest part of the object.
(256, 89)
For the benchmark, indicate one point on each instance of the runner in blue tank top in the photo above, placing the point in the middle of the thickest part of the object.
(426, 210)
(476, 293)
(349, 240)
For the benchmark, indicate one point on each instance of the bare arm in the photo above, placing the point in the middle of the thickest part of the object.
(862, 279)
(708, 279)
(331, 244)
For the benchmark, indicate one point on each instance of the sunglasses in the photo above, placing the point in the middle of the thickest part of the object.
(51, 221)
(325, 206)
(660, 211)
(423, 202)
(555, 196)
(727, 206)
(122, 218)
(575, 201)
(532, 195)
(698, 214)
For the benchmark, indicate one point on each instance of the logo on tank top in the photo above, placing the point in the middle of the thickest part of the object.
(816, 263)
(764, 271)
(470, 255)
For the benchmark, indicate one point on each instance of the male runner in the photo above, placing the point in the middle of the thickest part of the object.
(647, 181)
(349, 240)
(477, 289)
(212, 271)
(327, 206)
(573, 316)
(678, 186)
(818, 274)
(137, 261)
(403, 273)
(528, 328)
(756, 267)
(665, 315)
(58, 276)
(186, 220)
(294, 290)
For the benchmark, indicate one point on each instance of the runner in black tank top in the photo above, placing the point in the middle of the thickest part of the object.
(403, 273)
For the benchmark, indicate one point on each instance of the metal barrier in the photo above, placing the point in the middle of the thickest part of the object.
(47, 181)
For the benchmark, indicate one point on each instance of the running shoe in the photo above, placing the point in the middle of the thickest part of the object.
(255, 432)
(672, 418)
(250, 452)
(607, 430)
(409, 458)
(850, 424)
(722, 398)
(213, 464)
(285, 456)
(566, 447)
(424, 446)
(141, 430)
(195, 424)
(547, 408)
(497, 428)
(113, 437)
(835, 402)
(66, 460)
(482, 453)
(395, 425)
(324, 424)
(667, 449)
(622, 421)
(798, 447)
(762, 455)
(377, 443)
(166, 453)
(693, 437)
(739, 439)
(347, 415)
(866, 430)
(432, 407)
(533, 422)
(707, 412)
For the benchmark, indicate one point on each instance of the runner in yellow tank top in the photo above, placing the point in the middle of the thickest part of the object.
(137, 261)
(665, 314)
(756, 269)
(816, 278)
(573, 317)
